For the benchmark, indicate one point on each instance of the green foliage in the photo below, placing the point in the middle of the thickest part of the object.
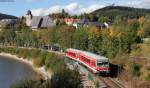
(148, 78)
(135, 69)
(80, 39)
(128, 12)
(103, 19)
(2, 16)
(24, 84)
(64, 79)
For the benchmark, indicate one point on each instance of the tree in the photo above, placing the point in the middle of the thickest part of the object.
(93, 39)
(64, 80)
(80, 38)
(65, 36)
(103, 19)
(8, 36)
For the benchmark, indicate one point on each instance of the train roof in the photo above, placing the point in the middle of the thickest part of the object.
(92, 55)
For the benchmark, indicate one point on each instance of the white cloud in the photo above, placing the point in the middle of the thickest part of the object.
(76, 8)
(138, 3)
(72, 8)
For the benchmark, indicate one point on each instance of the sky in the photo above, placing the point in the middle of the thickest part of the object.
(45, 7)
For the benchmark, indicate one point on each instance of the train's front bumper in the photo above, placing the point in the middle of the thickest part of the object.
(103, 70)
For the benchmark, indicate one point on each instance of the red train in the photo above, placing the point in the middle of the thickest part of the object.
(94, 62)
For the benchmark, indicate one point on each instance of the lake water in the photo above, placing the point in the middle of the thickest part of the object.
(11, 71)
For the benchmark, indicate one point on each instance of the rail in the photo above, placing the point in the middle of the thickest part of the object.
(111, 82)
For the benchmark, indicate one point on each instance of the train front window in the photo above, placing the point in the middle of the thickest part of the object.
(102, 64)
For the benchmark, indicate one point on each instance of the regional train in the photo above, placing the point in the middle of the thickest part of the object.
(94, 62)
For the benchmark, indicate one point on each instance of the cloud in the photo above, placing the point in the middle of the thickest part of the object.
(138, 3)
(76, 8)
(72, 8)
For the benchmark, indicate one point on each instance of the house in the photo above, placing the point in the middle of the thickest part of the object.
(87, 23)
(71, 21)
(108, 24)
(80, 23)
(39, 22)
(8, 23)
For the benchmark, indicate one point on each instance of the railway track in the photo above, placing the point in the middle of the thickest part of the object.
(111, 82)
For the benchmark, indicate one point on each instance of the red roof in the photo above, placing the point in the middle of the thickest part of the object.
(71, 20)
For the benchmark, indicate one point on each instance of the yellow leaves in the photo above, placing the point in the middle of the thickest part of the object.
(114, 33)
(42, 35)
(140, 32)
(111, 32)
(94, 31)
(141, 20)
(129, 21)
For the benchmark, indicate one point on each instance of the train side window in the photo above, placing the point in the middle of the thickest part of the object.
(93, 63)
(102, 64)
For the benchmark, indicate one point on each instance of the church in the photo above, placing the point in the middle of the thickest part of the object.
(38, 22)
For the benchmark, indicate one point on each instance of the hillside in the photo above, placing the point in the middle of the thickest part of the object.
(113, 11)
(4, 16)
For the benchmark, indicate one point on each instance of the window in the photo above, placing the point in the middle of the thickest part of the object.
(102, 64)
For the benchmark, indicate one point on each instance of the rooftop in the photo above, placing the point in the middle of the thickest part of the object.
(42, 22)
(89, 54)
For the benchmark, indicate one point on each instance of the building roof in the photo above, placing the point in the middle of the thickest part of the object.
(42, 22)
(83, 21)
(87, 22)
(92, 55)
(35, 22)
(97, 24)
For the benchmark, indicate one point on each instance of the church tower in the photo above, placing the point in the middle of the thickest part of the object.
(28, 18)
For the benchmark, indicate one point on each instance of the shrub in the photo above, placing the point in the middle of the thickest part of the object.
(135, 69)
(38, 62)
(148, 78)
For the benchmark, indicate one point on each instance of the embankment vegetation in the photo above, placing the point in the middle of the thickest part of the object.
(62, 76)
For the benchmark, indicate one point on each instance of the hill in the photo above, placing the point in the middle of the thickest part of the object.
(5, 16)
(113, 11)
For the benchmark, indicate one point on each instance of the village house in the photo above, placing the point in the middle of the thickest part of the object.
(87, 23)
(71, 21)
(8, 23)
(38, 22)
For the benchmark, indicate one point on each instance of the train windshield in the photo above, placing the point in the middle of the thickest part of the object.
(102, 64)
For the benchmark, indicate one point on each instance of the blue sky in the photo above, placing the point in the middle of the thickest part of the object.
(44, 7)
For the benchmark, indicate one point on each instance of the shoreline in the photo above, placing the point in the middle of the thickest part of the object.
(39, 70)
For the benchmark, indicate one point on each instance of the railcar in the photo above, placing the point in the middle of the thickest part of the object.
(94, 62)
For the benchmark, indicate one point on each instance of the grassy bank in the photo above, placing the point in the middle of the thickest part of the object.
(40, 58)
(62, 76)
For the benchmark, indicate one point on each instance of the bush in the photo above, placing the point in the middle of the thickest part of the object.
(38, 62)
(135, 69)
(148, 78)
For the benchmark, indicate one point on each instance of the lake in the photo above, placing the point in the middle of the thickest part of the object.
(11, 71)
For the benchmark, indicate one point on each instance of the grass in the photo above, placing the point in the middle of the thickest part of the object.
(141, 50)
